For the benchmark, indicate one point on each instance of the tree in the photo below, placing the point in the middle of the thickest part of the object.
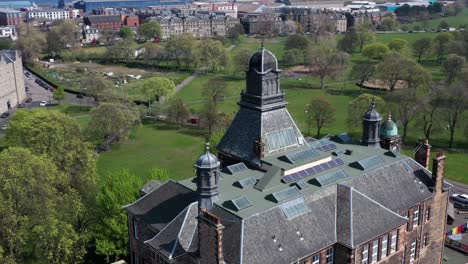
(430, 111)
(397, 44)
(375, 51)
(453, 66)
(181, 48)
(388, 24)
(157, 87)
(59, 94)
(30, 41)
(241, 58)
(121, 188)
(97, 87)
(154, 53)
(444, 25)
(421, 47)
(150, 30)
(126, 33)
(212, 54)
(326, 61)
(362, 71)
(214, 92)
(440, 43)
(394, 68)
(59, 137)
(322, 112)
(299, 42)
(62, 36)
(455, 105)
(112, 122)
(405, 107)
(235, 31)
(358, 107)
(349, 41)
(122, 51)
(177, 112)
(293, 57)
(364, 35)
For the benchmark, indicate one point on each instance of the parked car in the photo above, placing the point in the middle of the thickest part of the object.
(79, 96)
(4, 127)
(43, 103)
(5, 115)
(27, 88)
(28, 100)
(460, 198)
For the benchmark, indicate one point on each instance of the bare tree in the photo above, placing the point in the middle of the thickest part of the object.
(214, 92)
(405, 106)
(429, 111)
(327, 61)
(177, 112)
(455, 105)
(322, 112)
(362, 71)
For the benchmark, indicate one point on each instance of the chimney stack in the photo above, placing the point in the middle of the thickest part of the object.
(423, 153)
(210, 238)
(259, 148)
(438, 165)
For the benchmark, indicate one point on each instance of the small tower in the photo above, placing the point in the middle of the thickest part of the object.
(371, 127)
(389, 138)
(207, 167)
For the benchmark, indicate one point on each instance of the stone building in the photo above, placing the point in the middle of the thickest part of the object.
(12, 90)
(104, 22)
(272, 197)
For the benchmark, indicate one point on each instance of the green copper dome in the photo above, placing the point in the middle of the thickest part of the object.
(388, 128)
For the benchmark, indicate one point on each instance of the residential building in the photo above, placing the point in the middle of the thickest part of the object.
(311, 19)
(89, 5)
(103, 22)
(8, 32)
(53, 14)
(90, 35)
(11, 17)
(270, 196)
(12, 90)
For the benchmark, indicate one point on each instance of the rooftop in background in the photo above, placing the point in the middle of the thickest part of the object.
(8, 10)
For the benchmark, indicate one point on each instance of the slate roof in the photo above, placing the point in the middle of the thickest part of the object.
(8, 56)
(163, 204)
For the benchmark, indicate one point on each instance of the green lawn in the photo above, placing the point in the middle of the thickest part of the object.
(155, 146)
(453, 21)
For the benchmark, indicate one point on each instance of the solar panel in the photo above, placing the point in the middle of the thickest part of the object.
(313, 170)
(280, 139)
(294, 208)
(301, 185)
(241, 202)
(326, 147)
(331, 177)
(286, 194)
(370, 162)
(236, 168)
(305, 154)
(246, 182)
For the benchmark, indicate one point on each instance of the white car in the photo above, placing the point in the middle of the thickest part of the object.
(4, 127)
(43, 103)
(460, 198)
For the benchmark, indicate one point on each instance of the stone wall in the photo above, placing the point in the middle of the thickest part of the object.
(11, 82)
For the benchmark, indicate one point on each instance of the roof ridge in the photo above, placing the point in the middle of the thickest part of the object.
(141, 198)
(181, 228)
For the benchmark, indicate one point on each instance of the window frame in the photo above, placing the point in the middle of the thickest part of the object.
(316, 261)
(394, 238)
(329, 256)
(414, 245)
(416, 215)
(427, 214)
(384, 249)
(375, 251)
(365, 254)
(136, 229)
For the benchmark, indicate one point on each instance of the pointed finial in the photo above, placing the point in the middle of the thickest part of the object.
(389, 116)
(207, 146)
(262, 47)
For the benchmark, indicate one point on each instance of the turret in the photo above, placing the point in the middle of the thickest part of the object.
(371, 127)
(208, 173)
(389, 138)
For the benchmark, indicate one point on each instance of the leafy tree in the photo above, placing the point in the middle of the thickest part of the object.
(236, 31)
(112, 122)
(97, 87)
(126, 33)
(362, 71)
(322, 112)
(350, 40)
(59, 94)
(157, 87)
(150, 30)
(154, 53)
(212, 54)
(30, 41)
(358, 107)
(214, 92)
(181, 49)
(405, 107)
(112, 233)
(388, 24)
(364, 35)
(62, 36)
(393, 68)
(122, 51)
(421, 47)
(293, 57)
(241, 58)
(177, 112)
(440, 43)
(453, 66)
(444, 25)
(397, 44)
(59, 137)
(375, 51)
(455, 105)
(326, 61)
(299, 42)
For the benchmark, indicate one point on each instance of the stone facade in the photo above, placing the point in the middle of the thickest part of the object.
(12, 90)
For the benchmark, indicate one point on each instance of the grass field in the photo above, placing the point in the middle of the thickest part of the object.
(454, 21)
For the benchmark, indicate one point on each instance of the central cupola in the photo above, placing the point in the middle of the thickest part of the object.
(263, 125)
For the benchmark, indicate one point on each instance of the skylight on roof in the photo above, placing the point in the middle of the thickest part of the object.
(246, 182)
(294, 208)
(313, 170)
(237, 168)
(281, 139)
(331, 177)
(393, 153)
(370, 162)
(286, 194)
(326, 147)
(241, 203)
(305, 154)
(301, 185)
